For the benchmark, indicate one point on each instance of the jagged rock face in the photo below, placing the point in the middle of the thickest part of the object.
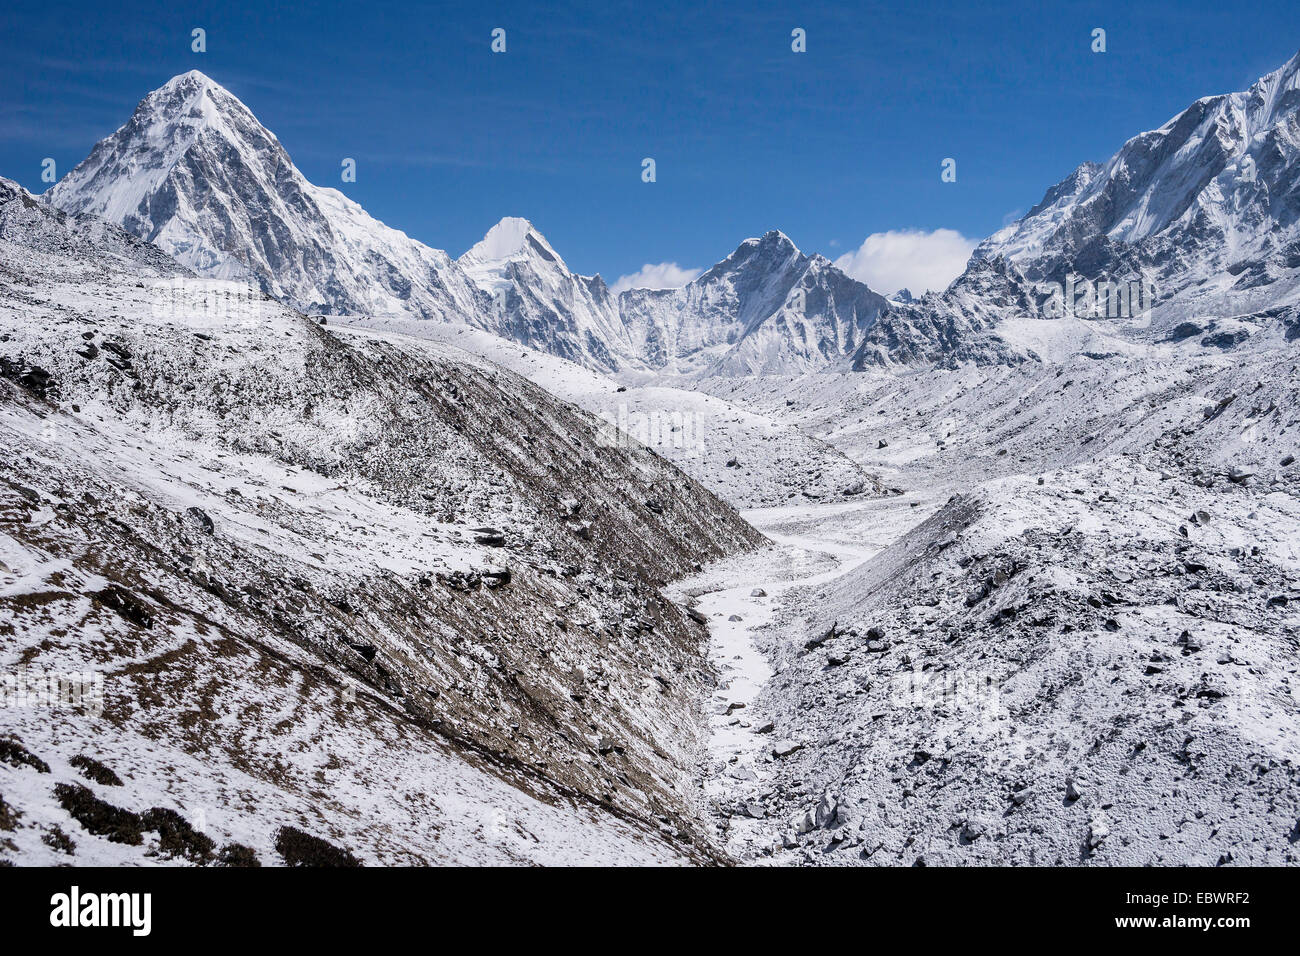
(766, 308)
(952, 328)
(537, 301)
(1205, 208)
(194, 172)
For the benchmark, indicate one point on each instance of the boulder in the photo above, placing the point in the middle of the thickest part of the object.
(824, 812)
(199, 519)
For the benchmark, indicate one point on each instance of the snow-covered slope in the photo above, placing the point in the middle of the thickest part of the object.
(26, 222)
(766, 308)
(1206, 209)
(388, 594)
(194, 172)
(1193, 173)
(538, 302)
(1079, 650)
(962, 325)
(749, 460)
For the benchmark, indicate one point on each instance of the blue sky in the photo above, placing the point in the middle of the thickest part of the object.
(830, 146)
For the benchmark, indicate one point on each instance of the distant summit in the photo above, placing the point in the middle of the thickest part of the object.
(195, 172)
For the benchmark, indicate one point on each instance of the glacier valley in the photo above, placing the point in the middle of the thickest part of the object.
(382, 556)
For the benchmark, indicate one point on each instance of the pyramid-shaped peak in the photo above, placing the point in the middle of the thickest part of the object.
(125, 169)
(193, 78)
(505, 239)
(195, 101)
(513, 237)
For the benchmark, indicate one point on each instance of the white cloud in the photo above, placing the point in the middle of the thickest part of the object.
(908, 258)
(664, 275)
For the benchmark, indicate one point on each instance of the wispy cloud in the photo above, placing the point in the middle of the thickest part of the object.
(908, 258)
(662, 275)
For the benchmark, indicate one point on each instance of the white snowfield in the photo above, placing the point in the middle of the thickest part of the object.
(1004, 587)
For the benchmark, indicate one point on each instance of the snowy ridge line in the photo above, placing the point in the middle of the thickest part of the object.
(167, 176)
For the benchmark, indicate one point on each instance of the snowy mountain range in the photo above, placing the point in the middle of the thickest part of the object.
(1200, 214)
(411, 586)
(194, 172)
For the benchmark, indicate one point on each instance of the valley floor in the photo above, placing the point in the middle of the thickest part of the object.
(1030, 615)
(1039, 615)
(812, 546)
(1021, 659)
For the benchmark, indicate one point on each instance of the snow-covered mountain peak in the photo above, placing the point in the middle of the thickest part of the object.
(1194, 226)
(127, 168)
(194, 172)
(192, 96)
(774, 250)
(191, 86)
(513, 239)
(508, 238)
(774, 240)
(1221, 161)
(538, 301)
(196, 102)
(1271, 91)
